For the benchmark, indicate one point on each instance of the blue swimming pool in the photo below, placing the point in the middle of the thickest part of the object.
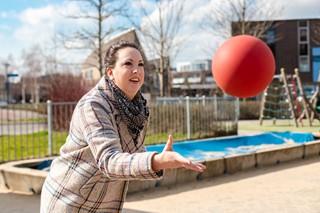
(207, 149)
(226, 146)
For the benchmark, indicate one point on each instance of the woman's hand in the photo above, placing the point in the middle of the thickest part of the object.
(169, 159)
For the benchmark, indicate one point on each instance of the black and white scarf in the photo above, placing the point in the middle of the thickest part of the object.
(134, 113)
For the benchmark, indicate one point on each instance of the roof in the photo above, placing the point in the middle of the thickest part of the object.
(92, 59)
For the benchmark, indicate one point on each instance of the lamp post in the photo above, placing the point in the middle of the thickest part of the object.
(6, 65)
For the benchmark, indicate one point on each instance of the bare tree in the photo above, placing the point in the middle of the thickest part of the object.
(97, 12)
(159, 28)
(32, 61)
(251, 17)
(50, 53)
(315, 29)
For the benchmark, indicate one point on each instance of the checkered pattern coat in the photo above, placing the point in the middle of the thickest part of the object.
(99, 157)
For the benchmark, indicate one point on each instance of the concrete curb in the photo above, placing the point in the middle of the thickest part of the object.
(21, 177)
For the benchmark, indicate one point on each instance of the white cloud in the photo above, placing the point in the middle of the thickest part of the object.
(146, 4)
(37, 25)
(3, 14)
(39, 16)
(297, 9)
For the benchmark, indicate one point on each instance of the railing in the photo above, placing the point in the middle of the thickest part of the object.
(35, 131)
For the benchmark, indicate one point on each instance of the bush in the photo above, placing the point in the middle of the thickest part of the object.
(65, 88)
(250, 109)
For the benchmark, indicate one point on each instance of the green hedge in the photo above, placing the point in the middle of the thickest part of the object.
(249, 109)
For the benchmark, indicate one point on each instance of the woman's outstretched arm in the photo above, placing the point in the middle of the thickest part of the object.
(169, 159)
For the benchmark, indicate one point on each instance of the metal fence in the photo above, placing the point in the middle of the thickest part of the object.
(35, 131)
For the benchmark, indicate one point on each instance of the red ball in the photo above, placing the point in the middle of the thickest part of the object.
(243, 66)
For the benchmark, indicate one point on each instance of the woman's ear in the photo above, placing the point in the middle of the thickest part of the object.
(109, 73)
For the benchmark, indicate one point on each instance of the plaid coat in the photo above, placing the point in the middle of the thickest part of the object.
(99, 157)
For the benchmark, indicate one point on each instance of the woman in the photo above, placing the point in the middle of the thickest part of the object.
(104, 148)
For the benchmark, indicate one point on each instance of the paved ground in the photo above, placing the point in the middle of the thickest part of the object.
(287, 188)
(20, 126)
(18, 114)
(19, 203)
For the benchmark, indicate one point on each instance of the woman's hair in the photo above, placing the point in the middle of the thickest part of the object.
(111, 55)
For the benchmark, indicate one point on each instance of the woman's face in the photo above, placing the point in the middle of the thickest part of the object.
(128, 73)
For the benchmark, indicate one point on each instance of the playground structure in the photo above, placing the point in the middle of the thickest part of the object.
(285, 98)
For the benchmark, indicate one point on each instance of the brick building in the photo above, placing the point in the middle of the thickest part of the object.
(295, 44)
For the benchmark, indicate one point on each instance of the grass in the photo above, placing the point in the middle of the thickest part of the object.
(163, 137)
(26, 120)
(16, 147)
(30, 107)
(279, 126)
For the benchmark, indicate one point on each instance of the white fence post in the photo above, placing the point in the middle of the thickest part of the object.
(237, 109)
(188, 116)
(215, 107)
(49, 110)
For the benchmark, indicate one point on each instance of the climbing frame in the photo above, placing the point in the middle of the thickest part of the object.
(284, 98)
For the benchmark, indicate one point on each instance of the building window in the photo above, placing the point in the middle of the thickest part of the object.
(303, 23)
(270, 37)
(303, 44)
(304, 64)
(199, 66)
(303, 49)
(185, 68)
(303, 35)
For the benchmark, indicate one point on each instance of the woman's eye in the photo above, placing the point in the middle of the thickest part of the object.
(128, 63)
(141, 64)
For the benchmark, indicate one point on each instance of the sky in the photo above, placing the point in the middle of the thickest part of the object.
(25, 23)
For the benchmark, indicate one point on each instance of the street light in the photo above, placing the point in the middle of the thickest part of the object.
(6, 65)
